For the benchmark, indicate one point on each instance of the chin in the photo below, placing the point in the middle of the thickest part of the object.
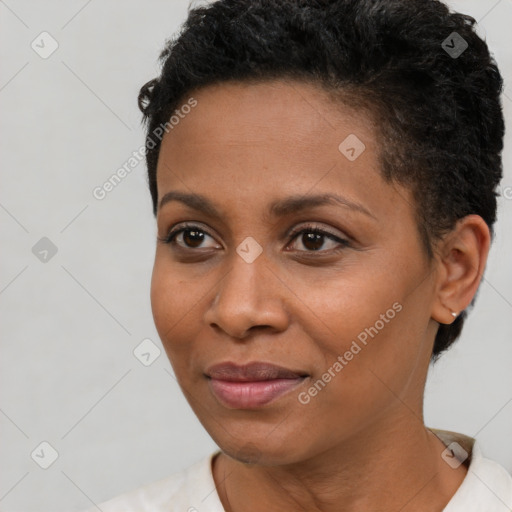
(262, 451)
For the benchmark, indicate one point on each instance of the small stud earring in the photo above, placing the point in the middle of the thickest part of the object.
(454, 314)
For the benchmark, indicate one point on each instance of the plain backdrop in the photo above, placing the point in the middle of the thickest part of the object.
(71, 319)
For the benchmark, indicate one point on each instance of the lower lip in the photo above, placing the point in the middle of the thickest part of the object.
(247, 395)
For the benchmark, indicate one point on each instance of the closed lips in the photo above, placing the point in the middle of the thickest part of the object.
(256, 371)
(252, 385)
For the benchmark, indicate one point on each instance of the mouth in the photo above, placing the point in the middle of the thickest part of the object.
(251, 385)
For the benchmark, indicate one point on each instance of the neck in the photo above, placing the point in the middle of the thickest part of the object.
(393, 465)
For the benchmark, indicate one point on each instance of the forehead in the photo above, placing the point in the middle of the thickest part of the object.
(271, 112)
(269, 140)
(288, 120)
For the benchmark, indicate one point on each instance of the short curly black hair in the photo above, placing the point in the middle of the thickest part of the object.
(439, 110)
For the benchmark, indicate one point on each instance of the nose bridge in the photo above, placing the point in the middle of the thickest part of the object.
(246, 297)
(241, 283)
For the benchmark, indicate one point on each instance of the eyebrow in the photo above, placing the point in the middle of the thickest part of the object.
(279, 208)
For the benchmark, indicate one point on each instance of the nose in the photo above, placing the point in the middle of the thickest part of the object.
(250, 296)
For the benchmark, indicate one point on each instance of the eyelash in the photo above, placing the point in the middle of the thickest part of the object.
(170, 237)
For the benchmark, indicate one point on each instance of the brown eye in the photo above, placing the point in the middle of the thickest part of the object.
(192, 237)
(313, 239)
(188, 237)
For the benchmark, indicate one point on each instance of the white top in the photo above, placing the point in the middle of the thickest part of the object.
(487, 486)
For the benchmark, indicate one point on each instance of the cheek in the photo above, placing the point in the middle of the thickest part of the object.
(368, 325)
(341, 307)
(172, 303)
(381, 344)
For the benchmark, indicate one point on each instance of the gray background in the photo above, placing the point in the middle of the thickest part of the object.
(68, 373)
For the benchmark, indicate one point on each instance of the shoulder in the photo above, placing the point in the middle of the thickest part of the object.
(190, 490)
(487, 485)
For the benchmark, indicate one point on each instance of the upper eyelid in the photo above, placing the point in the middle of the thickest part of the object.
(313, 227)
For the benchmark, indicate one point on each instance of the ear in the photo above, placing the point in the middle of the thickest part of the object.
(462, 256)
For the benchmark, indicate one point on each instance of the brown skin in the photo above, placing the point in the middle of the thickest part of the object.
(359, 444)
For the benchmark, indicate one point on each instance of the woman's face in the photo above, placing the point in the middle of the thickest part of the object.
(346, 311)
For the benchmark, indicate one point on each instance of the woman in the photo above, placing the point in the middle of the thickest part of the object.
(323, 177)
